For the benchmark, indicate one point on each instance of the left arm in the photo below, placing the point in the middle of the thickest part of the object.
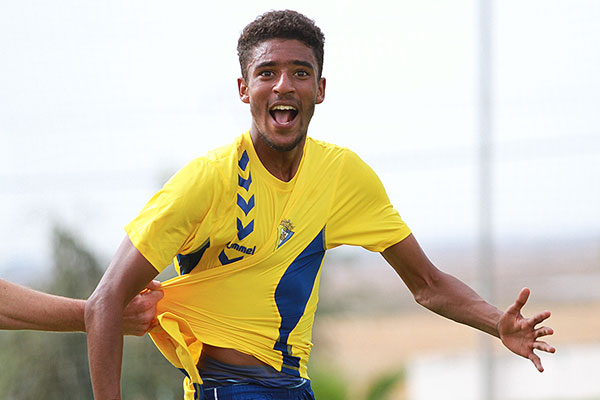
(448, 296)
(127, 274)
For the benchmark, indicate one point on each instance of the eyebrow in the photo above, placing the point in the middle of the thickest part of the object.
(294, 62)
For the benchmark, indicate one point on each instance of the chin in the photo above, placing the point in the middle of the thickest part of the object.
(288, 144)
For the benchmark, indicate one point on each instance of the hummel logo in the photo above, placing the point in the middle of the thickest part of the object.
(241, 249)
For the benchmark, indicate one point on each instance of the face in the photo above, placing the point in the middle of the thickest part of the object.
(282, 89)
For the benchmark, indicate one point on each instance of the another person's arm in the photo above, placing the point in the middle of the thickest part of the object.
(448, 296)
(128, 273)
(25, 308)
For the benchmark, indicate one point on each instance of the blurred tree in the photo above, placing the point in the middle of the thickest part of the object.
(41, 365)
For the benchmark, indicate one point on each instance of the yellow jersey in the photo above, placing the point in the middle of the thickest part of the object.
(249, 249)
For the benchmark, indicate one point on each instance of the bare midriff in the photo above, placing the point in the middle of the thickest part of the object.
(230, 356)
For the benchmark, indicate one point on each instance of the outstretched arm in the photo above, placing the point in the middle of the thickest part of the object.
(448, 296)
(25, 308)
(126, 275)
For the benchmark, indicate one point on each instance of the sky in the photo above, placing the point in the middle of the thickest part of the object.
(100, 102)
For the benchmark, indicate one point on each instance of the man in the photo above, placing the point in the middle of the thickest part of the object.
(249, 224)
(25, 308)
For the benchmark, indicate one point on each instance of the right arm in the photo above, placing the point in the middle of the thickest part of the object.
(128, 273)
(25, 308)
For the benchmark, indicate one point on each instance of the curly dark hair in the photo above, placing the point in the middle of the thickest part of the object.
(285, 24)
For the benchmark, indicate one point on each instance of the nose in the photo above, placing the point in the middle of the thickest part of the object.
(284, 84)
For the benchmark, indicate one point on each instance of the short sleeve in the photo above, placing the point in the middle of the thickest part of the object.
(175, 213)
(361, 213)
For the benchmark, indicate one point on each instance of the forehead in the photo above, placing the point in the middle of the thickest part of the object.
(282, 51)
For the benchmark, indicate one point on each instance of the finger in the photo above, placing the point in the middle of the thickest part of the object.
(143, 322)
(519, 303)
(543, 346)
(538, 318)
(153, 285)
(148, 300)
(153, 296)
(543, 331)
(536, 361)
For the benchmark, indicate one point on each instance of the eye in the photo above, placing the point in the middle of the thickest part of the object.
(266, 74)
(302, 74)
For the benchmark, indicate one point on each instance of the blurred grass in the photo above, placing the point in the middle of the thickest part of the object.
(329, 383)
(382, 388)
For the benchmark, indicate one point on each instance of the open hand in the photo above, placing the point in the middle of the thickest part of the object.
(520, 335)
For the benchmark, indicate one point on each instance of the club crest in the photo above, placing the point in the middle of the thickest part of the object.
(284, 232)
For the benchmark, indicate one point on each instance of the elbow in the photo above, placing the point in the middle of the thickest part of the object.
(98, 308)
(91, 311)
(425, 293)
(422, 297)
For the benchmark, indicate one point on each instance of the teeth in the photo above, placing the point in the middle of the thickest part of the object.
(283, 108)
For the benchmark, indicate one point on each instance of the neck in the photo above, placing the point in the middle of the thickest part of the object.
(283, 165)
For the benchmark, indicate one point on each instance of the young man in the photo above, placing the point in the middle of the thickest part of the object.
(25, 308)
(249, 224)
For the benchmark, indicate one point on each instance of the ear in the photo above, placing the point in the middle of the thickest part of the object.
(321, 91)
(243, 90)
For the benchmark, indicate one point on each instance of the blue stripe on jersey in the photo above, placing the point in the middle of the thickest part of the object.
(226, 260)
(244, 231)
(243, 162)
(292, 294)
(187, 262)
(245, 183)
(246, 207)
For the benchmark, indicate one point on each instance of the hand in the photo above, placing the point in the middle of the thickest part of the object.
(519, 334)
(140, 313)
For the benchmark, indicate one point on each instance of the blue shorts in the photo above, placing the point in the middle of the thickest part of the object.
(257, 392)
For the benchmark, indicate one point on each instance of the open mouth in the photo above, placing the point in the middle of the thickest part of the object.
(283, 114)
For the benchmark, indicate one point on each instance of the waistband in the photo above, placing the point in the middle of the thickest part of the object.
(303, 392)
(216, 374)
